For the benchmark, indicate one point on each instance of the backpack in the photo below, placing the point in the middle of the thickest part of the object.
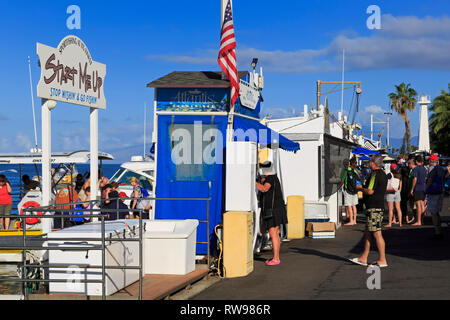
(81, 219)
(145, 193)
(393, 185)
(437, 186)
(351, 184)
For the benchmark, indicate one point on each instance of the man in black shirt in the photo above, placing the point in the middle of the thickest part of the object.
(374, 191)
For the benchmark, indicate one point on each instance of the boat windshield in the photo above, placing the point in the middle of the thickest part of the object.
(151, 173)
(125, 179)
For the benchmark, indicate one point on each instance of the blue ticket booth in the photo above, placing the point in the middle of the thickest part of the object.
(192, 114)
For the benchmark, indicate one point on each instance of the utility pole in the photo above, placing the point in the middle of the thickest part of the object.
(342, 94)
(320, 83)
(371, 127)
(319, 93)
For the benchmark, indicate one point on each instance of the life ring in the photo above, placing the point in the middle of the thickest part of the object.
(27, 205)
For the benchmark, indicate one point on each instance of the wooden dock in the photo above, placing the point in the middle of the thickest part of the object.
(159, 286)
(154, 287)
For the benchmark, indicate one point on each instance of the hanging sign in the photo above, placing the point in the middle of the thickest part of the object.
(68, 74)
(248, 95)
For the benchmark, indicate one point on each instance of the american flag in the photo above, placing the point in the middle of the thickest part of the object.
(227, 52)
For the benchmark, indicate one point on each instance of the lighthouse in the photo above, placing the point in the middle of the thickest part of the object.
(424, 131)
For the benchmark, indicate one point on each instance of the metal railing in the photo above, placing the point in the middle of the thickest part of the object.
(102, 214)
(102, 247)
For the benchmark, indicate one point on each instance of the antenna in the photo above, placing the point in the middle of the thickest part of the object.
(32, 104)
(145, 124)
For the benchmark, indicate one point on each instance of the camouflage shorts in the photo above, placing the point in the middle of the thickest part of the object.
(374, 219)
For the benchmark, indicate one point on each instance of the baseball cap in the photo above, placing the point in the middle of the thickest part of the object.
(123, 195)
(434, 157)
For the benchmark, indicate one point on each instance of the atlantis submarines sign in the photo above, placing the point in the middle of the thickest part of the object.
(68, 74)
(248, 95)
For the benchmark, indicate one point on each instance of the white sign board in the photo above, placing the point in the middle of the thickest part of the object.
(68, 74)
(249, 95)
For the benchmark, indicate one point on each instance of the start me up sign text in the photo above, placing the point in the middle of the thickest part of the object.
(68, 74)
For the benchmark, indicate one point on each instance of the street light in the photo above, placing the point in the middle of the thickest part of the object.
(254, 63)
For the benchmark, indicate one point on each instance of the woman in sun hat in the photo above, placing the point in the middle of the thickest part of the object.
(273, 208)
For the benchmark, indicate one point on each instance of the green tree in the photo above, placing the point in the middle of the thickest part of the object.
(402, 101)
(440, 123)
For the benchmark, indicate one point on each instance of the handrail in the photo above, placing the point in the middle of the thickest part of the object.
(101, 248)
(128, 210)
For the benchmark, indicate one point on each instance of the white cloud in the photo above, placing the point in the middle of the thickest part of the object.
(22, 141)
(373, 109)
(4, 144)
(280, 112)
(414, 27)
(403, 43)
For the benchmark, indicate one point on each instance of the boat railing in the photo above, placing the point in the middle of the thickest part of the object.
(95, 211)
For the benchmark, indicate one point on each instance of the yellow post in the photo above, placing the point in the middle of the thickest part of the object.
(237, 244)
(296, 217)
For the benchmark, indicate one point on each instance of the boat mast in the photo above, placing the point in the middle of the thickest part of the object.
(32, 104)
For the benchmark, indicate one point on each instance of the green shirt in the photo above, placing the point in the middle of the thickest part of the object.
(410, 180)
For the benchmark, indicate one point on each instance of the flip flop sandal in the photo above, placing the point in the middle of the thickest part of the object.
(379, 265)
(355, 261)
(272, 262)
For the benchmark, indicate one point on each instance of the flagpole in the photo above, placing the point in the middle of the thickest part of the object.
(222, 7)
(223, 4)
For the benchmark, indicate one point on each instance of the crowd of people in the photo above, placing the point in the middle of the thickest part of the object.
(113, 201)
(412, 190)
(408, 182)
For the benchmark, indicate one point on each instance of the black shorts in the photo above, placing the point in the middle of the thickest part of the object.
(419, 195)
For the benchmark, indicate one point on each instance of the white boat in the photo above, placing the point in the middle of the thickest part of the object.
(143, 169)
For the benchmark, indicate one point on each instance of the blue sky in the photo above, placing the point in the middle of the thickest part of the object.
(297, 43)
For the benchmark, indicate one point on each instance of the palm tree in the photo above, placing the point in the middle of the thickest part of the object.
(440, 122)
(402, 101)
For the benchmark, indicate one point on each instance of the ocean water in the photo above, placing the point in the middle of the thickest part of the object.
(9, 271)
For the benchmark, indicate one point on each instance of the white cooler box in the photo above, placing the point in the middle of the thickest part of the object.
(117, 253)
(170, 246)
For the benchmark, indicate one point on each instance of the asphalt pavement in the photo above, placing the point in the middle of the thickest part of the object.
(313, 269)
